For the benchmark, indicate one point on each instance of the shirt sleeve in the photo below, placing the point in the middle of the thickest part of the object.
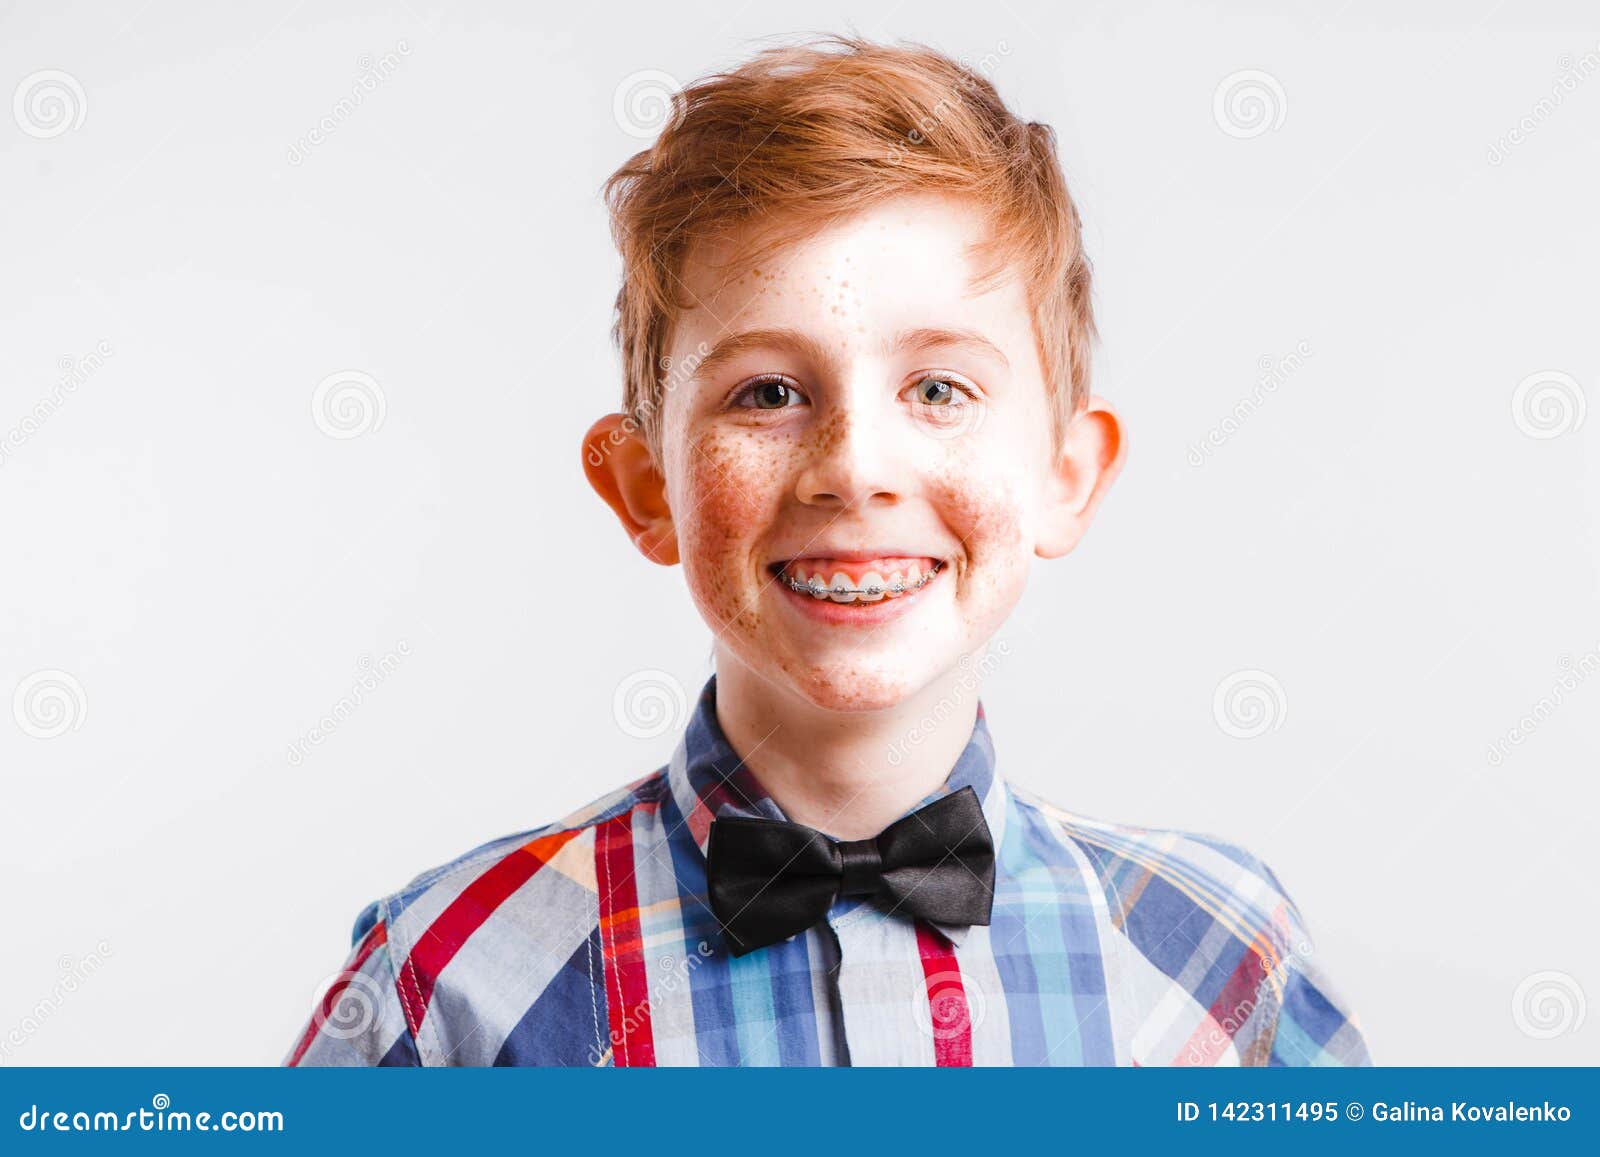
(358, 1019)
(1313, 1024)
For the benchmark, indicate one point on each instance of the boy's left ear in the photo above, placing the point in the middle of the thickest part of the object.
(1088, 462)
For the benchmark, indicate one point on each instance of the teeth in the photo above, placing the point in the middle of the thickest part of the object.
(874, 587)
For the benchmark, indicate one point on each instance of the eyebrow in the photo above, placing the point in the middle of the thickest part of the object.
(730, 347)
(928, 338)
(794, 341)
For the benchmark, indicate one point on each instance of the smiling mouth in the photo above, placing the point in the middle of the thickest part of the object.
(874, 585)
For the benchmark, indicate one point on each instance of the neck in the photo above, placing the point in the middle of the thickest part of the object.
(849, 774)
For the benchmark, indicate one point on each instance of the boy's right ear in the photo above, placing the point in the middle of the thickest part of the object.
(617, 462)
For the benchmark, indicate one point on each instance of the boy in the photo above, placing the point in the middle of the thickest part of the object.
(855, 322)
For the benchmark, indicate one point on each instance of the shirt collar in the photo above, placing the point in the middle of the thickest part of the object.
(709, 779)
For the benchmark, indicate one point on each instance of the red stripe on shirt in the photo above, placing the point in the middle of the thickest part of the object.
(376, 935)
(622, 946)
(436, 947)
(1250, 985)
(950, 1018)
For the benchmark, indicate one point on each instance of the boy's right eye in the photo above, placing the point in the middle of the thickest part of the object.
(768, 393)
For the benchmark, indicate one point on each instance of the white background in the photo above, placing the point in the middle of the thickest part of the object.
(1385, 536)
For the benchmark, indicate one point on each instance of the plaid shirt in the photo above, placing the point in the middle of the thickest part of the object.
(589, 942)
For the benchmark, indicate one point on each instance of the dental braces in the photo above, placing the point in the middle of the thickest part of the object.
(815, 586)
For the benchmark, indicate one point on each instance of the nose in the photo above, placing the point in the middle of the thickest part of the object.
(854, 462)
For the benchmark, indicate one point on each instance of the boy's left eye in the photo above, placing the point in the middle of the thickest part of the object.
(941, 391)
(935, 391)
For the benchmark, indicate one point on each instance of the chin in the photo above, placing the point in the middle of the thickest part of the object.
(854, 686)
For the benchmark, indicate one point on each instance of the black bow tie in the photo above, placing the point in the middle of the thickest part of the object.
(770, 879)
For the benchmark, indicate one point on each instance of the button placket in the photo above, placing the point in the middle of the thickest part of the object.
(880, 983)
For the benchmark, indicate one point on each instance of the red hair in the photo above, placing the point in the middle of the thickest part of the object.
(799, 137)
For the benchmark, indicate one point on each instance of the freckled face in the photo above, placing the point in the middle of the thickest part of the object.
(853, 393)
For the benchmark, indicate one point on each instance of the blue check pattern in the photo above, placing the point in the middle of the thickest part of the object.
(589, 942)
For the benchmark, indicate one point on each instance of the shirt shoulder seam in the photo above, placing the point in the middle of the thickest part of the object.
(1100, 840)
(624, 800)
